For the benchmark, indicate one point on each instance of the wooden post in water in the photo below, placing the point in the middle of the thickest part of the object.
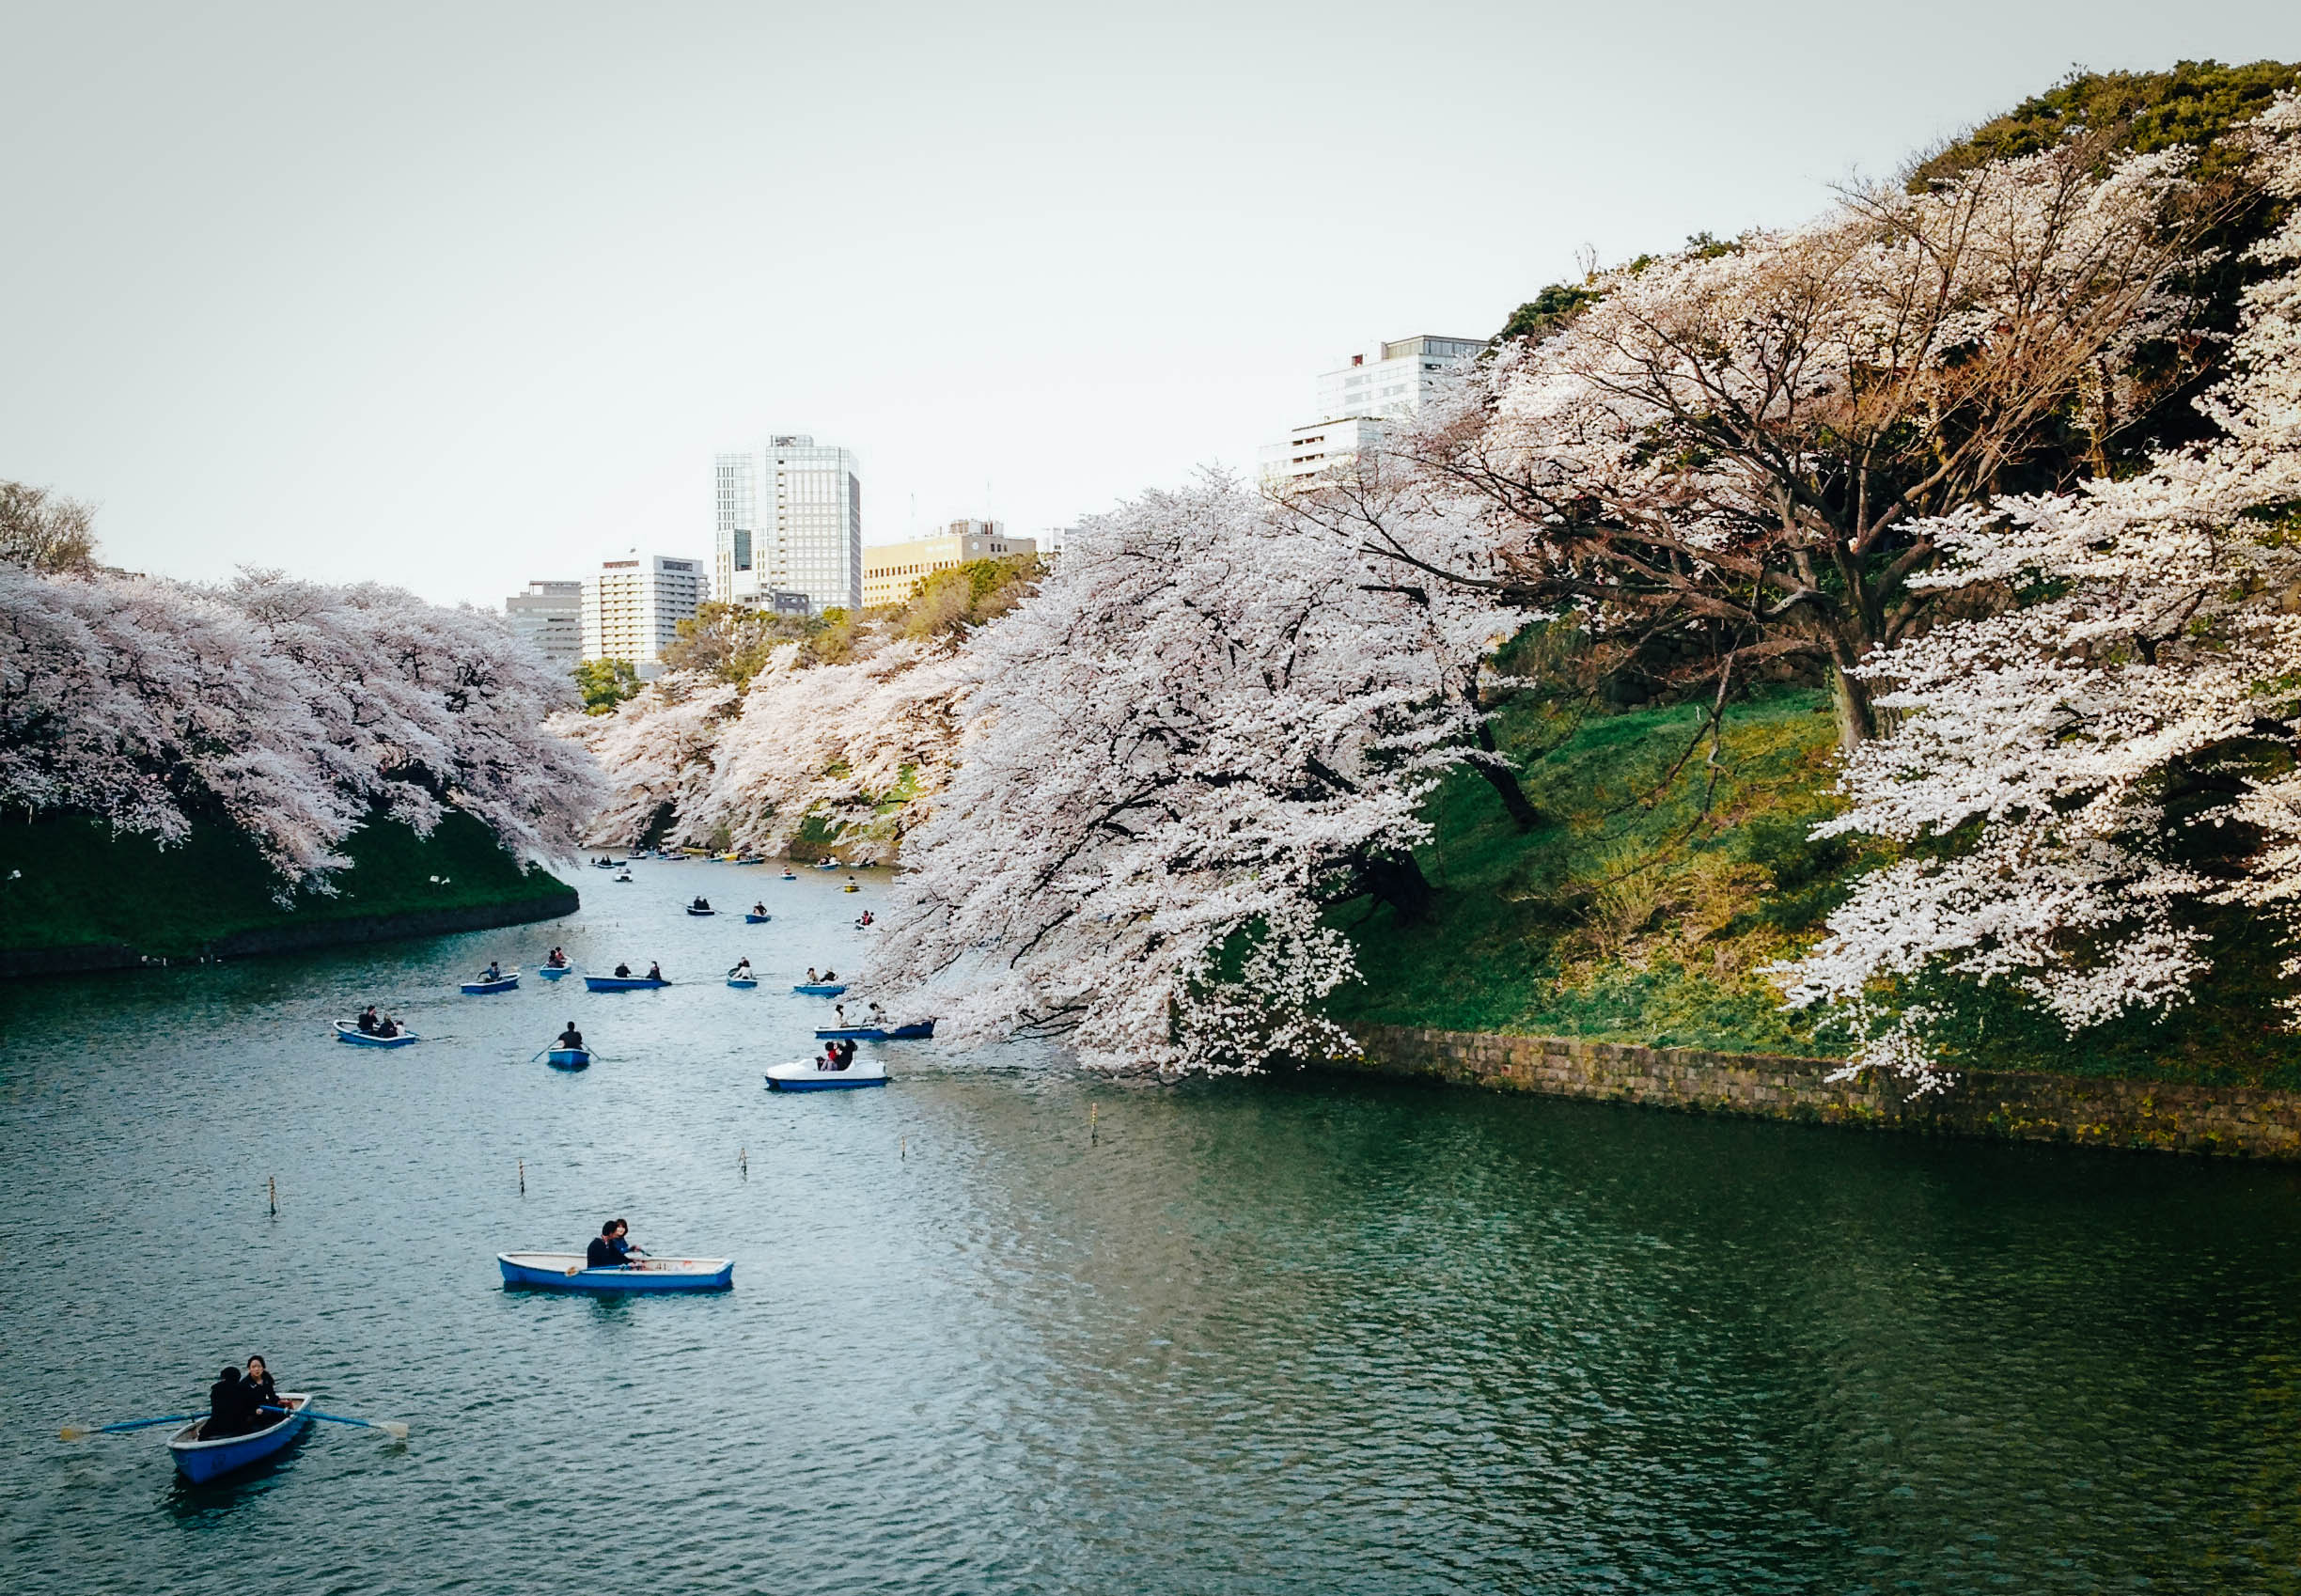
(742, 1163)
(522, 1169)
(902, 1149)
(1094, 1137)
(272, 1189)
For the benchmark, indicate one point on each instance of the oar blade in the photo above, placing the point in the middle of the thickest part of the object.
(391, 1428)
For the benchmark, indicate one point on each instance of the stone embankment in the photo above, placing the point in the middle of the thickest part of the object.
(2147, 1115)
(295, 936)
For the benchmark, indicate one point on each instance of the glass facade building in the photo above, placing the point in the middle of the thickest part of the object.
(790, 518)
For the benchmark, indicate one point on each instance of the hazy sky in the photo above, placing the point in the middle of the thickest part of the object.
(457, 296)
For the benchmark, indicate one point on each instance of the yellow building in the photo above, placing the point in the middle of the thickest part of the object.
(893, 571)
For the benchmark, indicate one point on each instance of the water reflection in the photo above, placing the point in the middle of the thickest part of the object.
(1256, 1337)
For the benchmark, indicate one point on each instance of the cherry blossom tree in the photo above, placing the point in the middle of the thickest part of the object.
(289, 711)
(1751, 442)
(2080, 769)
(1216, 718)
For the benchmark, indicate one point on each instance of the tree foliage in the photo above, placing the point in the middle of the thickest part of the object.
(44, 533)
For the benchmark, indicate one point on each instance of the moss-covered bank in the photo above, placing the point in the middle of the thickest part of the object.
(75, 896)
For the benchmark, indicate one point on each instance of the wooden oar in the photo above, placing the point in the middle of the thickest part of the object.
(390, 1427)
(78, 1433)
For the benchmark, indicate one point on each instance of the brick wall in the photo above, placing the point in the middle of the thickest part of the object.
(2144, 1115)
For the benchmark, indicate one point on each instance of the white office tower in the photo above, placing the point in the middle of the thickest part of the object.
(549, 620)
(1354, 401)
(790, 517)
(633, 607)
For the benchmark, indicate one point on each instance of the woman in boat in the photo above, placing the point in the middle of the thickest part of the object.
(262, 1393)
(612, 1248)
(557, 960)
(387, 1026)
(229, 1410)
(760, 907)
(570, 1037)
(845, 1053)
(741, 972)
(811, 975)
(830, 1059)
(878, 1015)
(654, 970)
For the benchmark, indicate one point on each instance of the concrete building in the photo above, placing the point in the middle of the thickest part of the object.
(549, 620)
(788, 516)
(1354, 401)
(633, 607)
(893, 571)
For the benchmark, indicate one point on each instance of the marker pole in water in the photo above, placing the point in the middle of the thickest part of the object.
(522, 1169)
(902, 1149)
(1094, 1137)
(272, 1190)
(742, 1163)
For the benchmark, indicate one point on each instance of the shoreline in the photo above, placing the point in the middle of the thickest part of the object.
(2127, 1115)
(295, 936)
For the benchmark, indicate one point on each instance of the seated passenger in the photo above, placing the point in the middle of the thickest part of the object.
(367, 1021)
(622, 971)
(741, 972)
(263, 1394)
(601, 1253)
(229, 1410)
(654, 971)
(568, 1038)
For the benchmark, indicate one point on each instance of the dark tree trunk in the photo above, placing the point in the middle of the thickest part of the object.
(1398, 881)
(1504, 780)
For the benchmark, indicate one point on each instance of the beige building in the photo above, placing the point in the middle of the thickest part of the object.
(633, 607)
(893, 571)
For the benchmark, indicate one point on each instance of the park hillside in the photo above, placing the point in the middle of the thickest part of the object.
(1875, 638)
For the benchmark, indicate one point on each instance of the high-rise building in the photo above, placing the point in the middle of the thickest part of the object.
(633, 607)
(549, 620)
(789, 516)
(1354, 401)
(893, 571)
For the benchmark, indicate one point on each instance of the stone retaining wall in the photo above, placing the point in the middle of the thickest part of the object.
(296, 936)
(2142, 1115)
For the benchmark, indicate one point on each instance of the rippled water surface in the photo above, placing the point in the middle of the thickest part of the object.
(1317, 1336)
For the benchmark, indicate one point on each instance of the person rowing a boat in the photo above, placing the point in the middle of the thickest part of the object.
(760, 907)
(701, 903)
(622, 971)
(367, 1022)
(492, 973)
(570, 1037)
(741, 972)
(231, 1410)
(612, 1248)
(557, 960)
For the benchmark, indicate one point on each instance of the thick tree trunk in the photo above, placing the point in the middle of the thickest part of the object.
(1856, 716)
(1398, 881)
(1504, 780)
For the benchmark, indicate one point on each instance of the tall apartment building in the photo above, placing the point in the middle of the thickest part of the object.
(633, 607)
(1354, 401)
(893, 571)
(790, 517)
(549, 620)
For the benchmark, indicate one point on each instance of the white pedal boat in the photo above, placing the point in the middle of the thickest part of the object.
(813, 1075)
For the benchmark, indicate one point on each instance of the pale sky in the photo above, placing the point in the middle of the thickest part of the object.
(458, 296)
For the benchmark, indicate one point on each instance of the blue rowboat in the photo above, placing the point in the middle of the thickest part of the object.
(199, 1460)
(743, 984)
(624, 983)
(504, 983)
(347, 1031)
(554, 972)
(817, 989)
(811, 1074)
(569, 1057)
(751, 920)
(566, 1272)
(919, 1032)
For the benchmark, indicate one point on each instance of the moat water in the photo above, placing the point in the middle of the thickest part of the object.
(1263, 1336)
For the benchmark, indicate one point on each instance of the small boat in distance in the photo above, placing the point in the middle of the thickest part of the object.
(701, 906)
(200, 1460)
(815, 1074)
(819, 989)
(347, 1031)
(917, 1032)
(623, 875)
(624, 983)
(743, 984)
(569, 1057)
(503, 982)
(751, 920)
(790, 874)
(566, 1272)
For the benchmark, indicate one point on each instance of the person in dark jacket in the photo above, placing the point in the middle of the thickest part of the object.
(570, 1037)
(229, 1409)
(263, 1394)
(611, 1249)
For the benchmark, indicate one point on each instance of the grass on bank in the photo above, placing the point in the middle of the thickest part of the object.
(66, 881)
(1669, 868)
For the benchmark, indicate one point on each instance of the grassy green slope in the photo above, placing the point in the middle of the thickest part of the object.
(68, 882)
(1661, 883)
